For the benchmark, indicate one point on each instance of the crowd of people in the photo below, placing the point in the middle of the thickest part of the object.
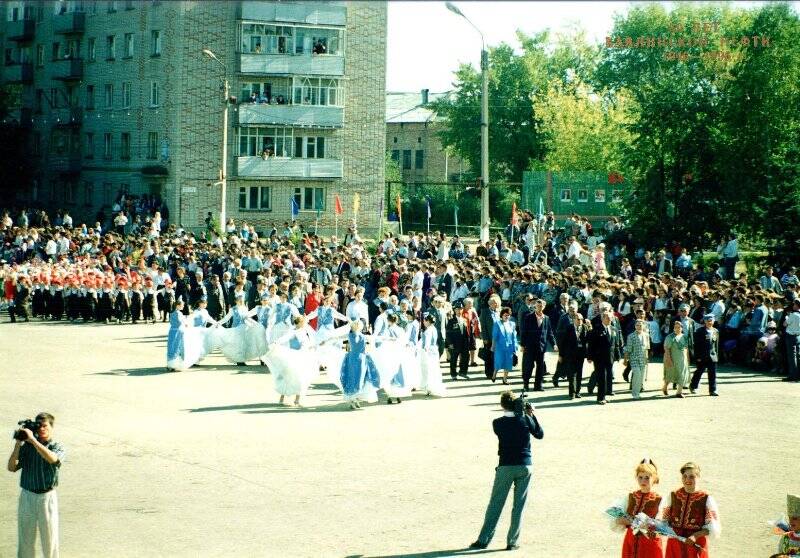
(539, 289)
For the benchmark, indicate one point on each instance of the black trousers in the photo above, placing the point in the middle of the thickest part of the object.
(488, 361)
(531, 358)
(603, 378)
(574, 373)
(462, 357)
(702, 366)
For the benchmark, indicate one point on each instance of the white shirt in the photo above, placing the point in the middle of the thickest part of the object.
(357, 310)
(574, 250)
(51, 248)
(731, 249)
(793, 323)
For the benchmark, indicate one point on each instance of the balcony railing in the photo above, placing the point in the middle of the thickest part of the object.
(70, 116)
(288, 64)
(314, 13)
(20, 118)
(18, 73)
(291, 115)
(73, 22)
(278, 167)
(66, 164)
(21, 30)
(68, 69)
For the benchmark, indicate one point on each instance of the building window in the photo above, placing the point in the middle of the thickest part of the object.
(153, 93)
(317, 91)
(112, 6)
(108, 95)
(310, 199)
(406, 159)
(38, 101)
(583, 196)
(107, 145)
(128, 45)
(37, 144)
(73, 49)
(54, 102)
(90, 97)
(566, 195)
(126, 94)
(395, 139)
(266, 142)
(616, 196)
(39, 55)
(56, 51)
(92, 50)
(255, 197)
(309, 147)
(69, 192)
(155, 43)
(110, 47)
(419, 158)
(89, 145)
(125, 146)
(152, 145)
(129, 4)
(88, 191)
(599, 196)
(396, 155)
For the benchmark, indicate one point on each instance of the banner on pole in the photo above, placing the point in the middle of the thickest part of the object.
(337, 205)
(295, 208)
(514, 213)
(356, 204)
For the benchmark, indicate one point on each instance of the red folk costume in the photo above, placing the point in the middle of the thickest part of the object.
(313, 300)
(640, 545)
(687, 514)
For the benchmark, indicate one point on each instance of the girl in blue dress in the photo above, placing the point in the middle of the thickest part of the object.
(244, 340)
(359, 375)
(393, 359)
(182, 352)
(504, 344)
(285, 313)
(431, 381)
(293, 361)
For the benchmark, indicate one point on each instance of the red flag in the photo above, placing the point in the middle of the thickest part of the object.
(399, 208)
(514, 213)
(338, 205)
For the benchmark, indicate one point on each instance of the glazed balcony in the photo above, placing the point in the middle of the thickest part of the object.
(285, 167)
(289, 64)
(68, 69)
(70, 23)
(21, 30)
(315, 13)
(290, 115)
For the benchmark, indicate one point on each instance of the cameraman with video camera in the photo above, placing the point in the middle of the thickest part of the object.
(513, 431)
(40, 458)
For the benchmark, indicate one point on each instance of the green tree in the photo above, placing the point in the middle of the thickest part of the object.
(393, 173)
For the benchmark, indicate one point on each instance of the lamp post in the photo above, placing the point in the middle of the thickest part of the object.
(223, 179)
(485, 219)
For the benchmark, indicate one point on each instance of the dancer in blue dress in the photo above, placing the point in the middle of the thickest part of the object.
(182, 351)
(359, 375)
(265, 316)
(394, 361)
(285, 313)
(198, 320)
(293, 361)
(431, 381)
(244, 340)
(329, 337)
(504, 344)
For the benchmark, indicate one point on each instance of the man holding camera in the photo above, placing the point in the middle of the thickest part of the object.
(513, 431)
(40, 458)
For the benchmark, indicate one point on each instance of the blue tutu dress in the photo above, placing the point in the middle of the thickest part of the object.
(359, 375)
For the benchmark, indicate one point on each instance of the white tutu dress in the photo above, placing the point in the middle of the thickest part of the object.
(285, 313)
(199, 318)
(431, 381)
(244, 340)
(184, 342)
(293, 361)
(393, 361)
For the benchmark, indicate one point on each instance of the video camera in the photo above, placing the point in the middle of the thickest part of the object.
(521, 404)
(31, 425)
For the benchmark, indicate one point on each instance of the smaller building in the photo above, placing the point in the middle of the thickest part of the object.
(595, 195)
(412, 140)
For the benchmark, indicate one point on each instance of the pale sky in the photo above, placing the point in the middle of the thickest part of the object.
(426, 42)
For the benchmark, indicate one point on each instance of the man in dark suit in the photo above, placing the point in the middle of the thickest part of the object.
(663, 265)
(559, 315)
(197, 290)
(458, 344)
(182, 288)
(444, 282)
(488, 316)
(536, 334)
(216, 298)
(603, 352)
(706, 351)
(572, 336)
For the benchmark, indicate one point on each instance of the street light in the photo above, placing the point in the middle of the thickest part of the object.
(223, 179)
(484, 126)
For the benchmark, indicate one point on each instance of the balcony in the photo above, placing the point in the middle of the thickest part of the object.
(70, 23)
(19, 118)
(68, 69)
(314, 13)
(288, 64)
(66, 164)
(292, 115)
(21, 30)
(278, 167)
(18, 73)
(70, 116)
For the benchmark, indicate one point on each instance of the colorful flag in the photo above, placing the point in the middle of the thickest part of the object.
(514, 213)
(541, 206)
(356, 204)
(294, 207)
(428, 204)
(399, 208)
(338, 205)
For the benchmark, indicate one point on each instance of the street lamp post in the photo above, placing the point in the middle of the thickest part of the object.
(223, 178)
(485, 219)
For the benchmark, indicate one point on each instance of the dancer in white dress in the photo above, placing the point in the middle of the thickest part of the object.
(199, 319)
(245, 339)
(265, 316)
(431, 381)
(393, 360)
(285, 313)
(414, 370)
(183, 350)
(359, 375)
(293, 361)
(329, 337)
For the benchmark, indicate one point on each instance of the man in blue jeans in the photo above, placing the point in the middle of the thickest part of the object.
(516, 467)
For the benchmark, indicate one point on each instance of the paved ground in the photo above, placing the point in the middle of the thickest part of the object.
(204, 463)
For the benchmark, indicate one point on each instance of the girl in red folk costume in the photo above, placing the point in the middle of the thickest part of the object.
(644, 500)
(692, 514)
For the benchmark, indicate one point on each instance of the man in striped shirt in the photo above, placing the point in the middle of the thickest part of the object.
(40, 458)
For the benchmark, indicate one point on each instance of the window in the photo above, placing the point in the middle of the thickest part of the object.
(92, 50)
(616, 196)
(128, 45)
(419, 158)
(310, 199)
(275, 142)
(583, 196)
(112, 6)
(88, 191)
(107, 145)
(566, 195)
(69, 192)
(129, 4)
(396, 155)
(317, 91)
(90, 97)
(54, 99)
(89, 145)
(315, 40)
(599, 196)
(125, 146)
(37, 144)
(309, 147)
(108, 193)
(153, 93)
(73, 49)
(268, 39)
(126, 94)
(255, 197)
(38, 101)
(155, 43)
(152, 145)
(110, 47)
(406, 159)
(56, 51)
(108, 95)
(39, 55)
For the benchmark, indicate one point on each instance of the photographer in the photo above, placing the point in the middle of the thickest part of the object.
(40, 458)
(513, 431)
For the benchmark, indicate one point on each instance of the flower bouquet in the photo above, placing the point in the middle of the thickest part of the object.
(780, 526)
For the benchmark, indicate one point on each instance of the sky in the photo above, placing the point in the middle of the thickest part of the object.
(426, 42)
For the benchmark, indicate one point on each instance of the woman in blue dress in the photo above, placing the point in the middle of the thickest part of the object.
(504, 344)
(265, 316)
(392, 360)
(359, 375)
(182, 352)
(329, 337)
(430, 368)
(285, 313)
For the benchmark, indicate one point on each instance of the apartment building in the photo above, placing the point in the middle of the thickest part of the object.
(412, 140)
(117, 96)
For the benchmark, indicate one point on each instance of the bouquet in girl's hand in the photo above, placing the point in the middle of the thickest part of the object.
(780, 526)
(663, 528)
(643, 524)
(616, 512)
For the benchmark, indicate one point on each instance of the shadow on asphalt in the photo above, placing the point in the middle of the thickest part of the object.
(430, 554)
(155, 371)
